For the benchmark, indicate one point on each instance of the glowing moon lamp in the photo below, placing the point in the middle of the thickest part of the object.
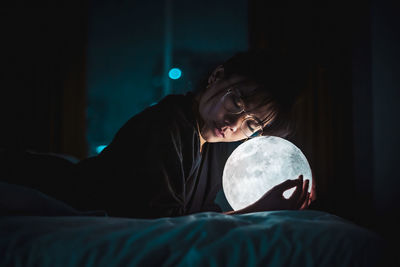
(259, 164)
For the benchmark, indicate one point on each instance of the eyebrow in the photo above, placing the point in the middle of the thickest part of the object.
(236, 85)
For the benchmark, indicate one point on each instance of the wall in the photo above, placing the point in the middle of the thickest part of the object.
(42, 102)
(126, 53)
(385, 102)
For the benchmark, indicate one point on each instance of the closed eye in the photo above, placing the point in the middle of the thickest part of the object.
(237, 102)
(249, 125)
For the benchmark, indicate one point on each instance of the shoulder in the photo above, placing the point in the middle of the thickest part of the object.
(179, 105)
(168, 109)
(170, 120)
(173, 114)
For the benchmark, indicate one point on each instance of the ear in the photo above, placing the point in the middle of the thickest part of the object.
(217, 74)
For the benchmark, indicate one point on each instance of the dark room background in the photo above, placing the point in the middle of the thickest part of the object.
(132, 45)
(73, 73)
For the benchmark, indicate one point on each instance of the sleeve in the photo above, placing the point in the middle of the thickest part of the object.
(142, 173)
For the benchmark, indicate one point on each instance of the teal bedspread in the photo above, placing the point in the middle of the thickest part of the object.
(279, 238)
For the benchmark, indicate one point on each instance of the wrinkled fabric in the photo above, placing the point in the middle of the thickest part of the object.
(278, 238)
(151, 167)
(24, 201)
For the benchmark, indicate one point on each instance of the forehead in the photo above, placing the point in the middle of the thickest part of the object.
(242, 84)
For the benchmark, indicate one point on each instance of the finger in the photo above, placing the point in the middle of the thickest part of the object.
(297, 193)
(313, 195)
(306, 202)
(304, 194)
(311, 198)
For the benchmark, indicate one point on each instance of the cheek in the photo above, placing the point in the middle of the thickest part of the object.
(238, 135)
(213, 111)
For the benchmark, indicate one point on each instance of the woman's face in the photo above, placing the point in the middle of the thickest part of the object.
(217, 124)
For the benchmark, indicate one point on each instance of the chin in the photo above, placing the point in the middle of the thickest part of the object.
(214, 140)
(209, 137)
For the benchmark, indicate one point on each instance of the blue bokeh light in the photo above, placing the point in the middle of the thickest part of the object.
(100, 148)
(175, 73)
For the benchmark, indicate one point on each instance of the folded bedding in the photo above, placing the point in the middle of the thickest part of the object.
(276, 238)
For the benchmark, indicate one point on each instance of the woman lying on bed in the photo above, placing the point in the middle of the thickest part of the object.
(152, 166)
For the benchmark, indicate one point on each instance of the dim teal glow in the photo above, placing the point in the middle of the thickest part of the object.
(100, 148)
(175, 73)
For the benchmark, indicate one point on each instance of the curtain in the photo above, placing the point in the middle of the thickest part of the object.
(43, 84)
(323, 115)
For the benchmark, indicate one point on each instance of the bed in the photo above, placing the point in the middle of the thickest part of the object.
(61, 236)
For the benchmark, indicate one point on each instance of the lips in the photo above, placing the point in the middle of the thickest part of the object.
(218, 132)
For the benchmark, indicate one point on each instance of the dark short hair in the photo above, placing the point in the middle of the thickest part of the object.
(280, 80)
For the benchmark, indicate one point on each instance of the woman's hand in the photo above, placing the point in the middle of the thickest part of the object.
(274, 199)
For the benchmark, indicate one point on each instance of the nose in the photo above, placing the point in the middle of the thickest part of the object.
(231, 122)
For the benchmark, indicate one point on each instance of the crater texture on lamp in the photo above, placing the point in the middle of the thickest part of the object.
(259, 164)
